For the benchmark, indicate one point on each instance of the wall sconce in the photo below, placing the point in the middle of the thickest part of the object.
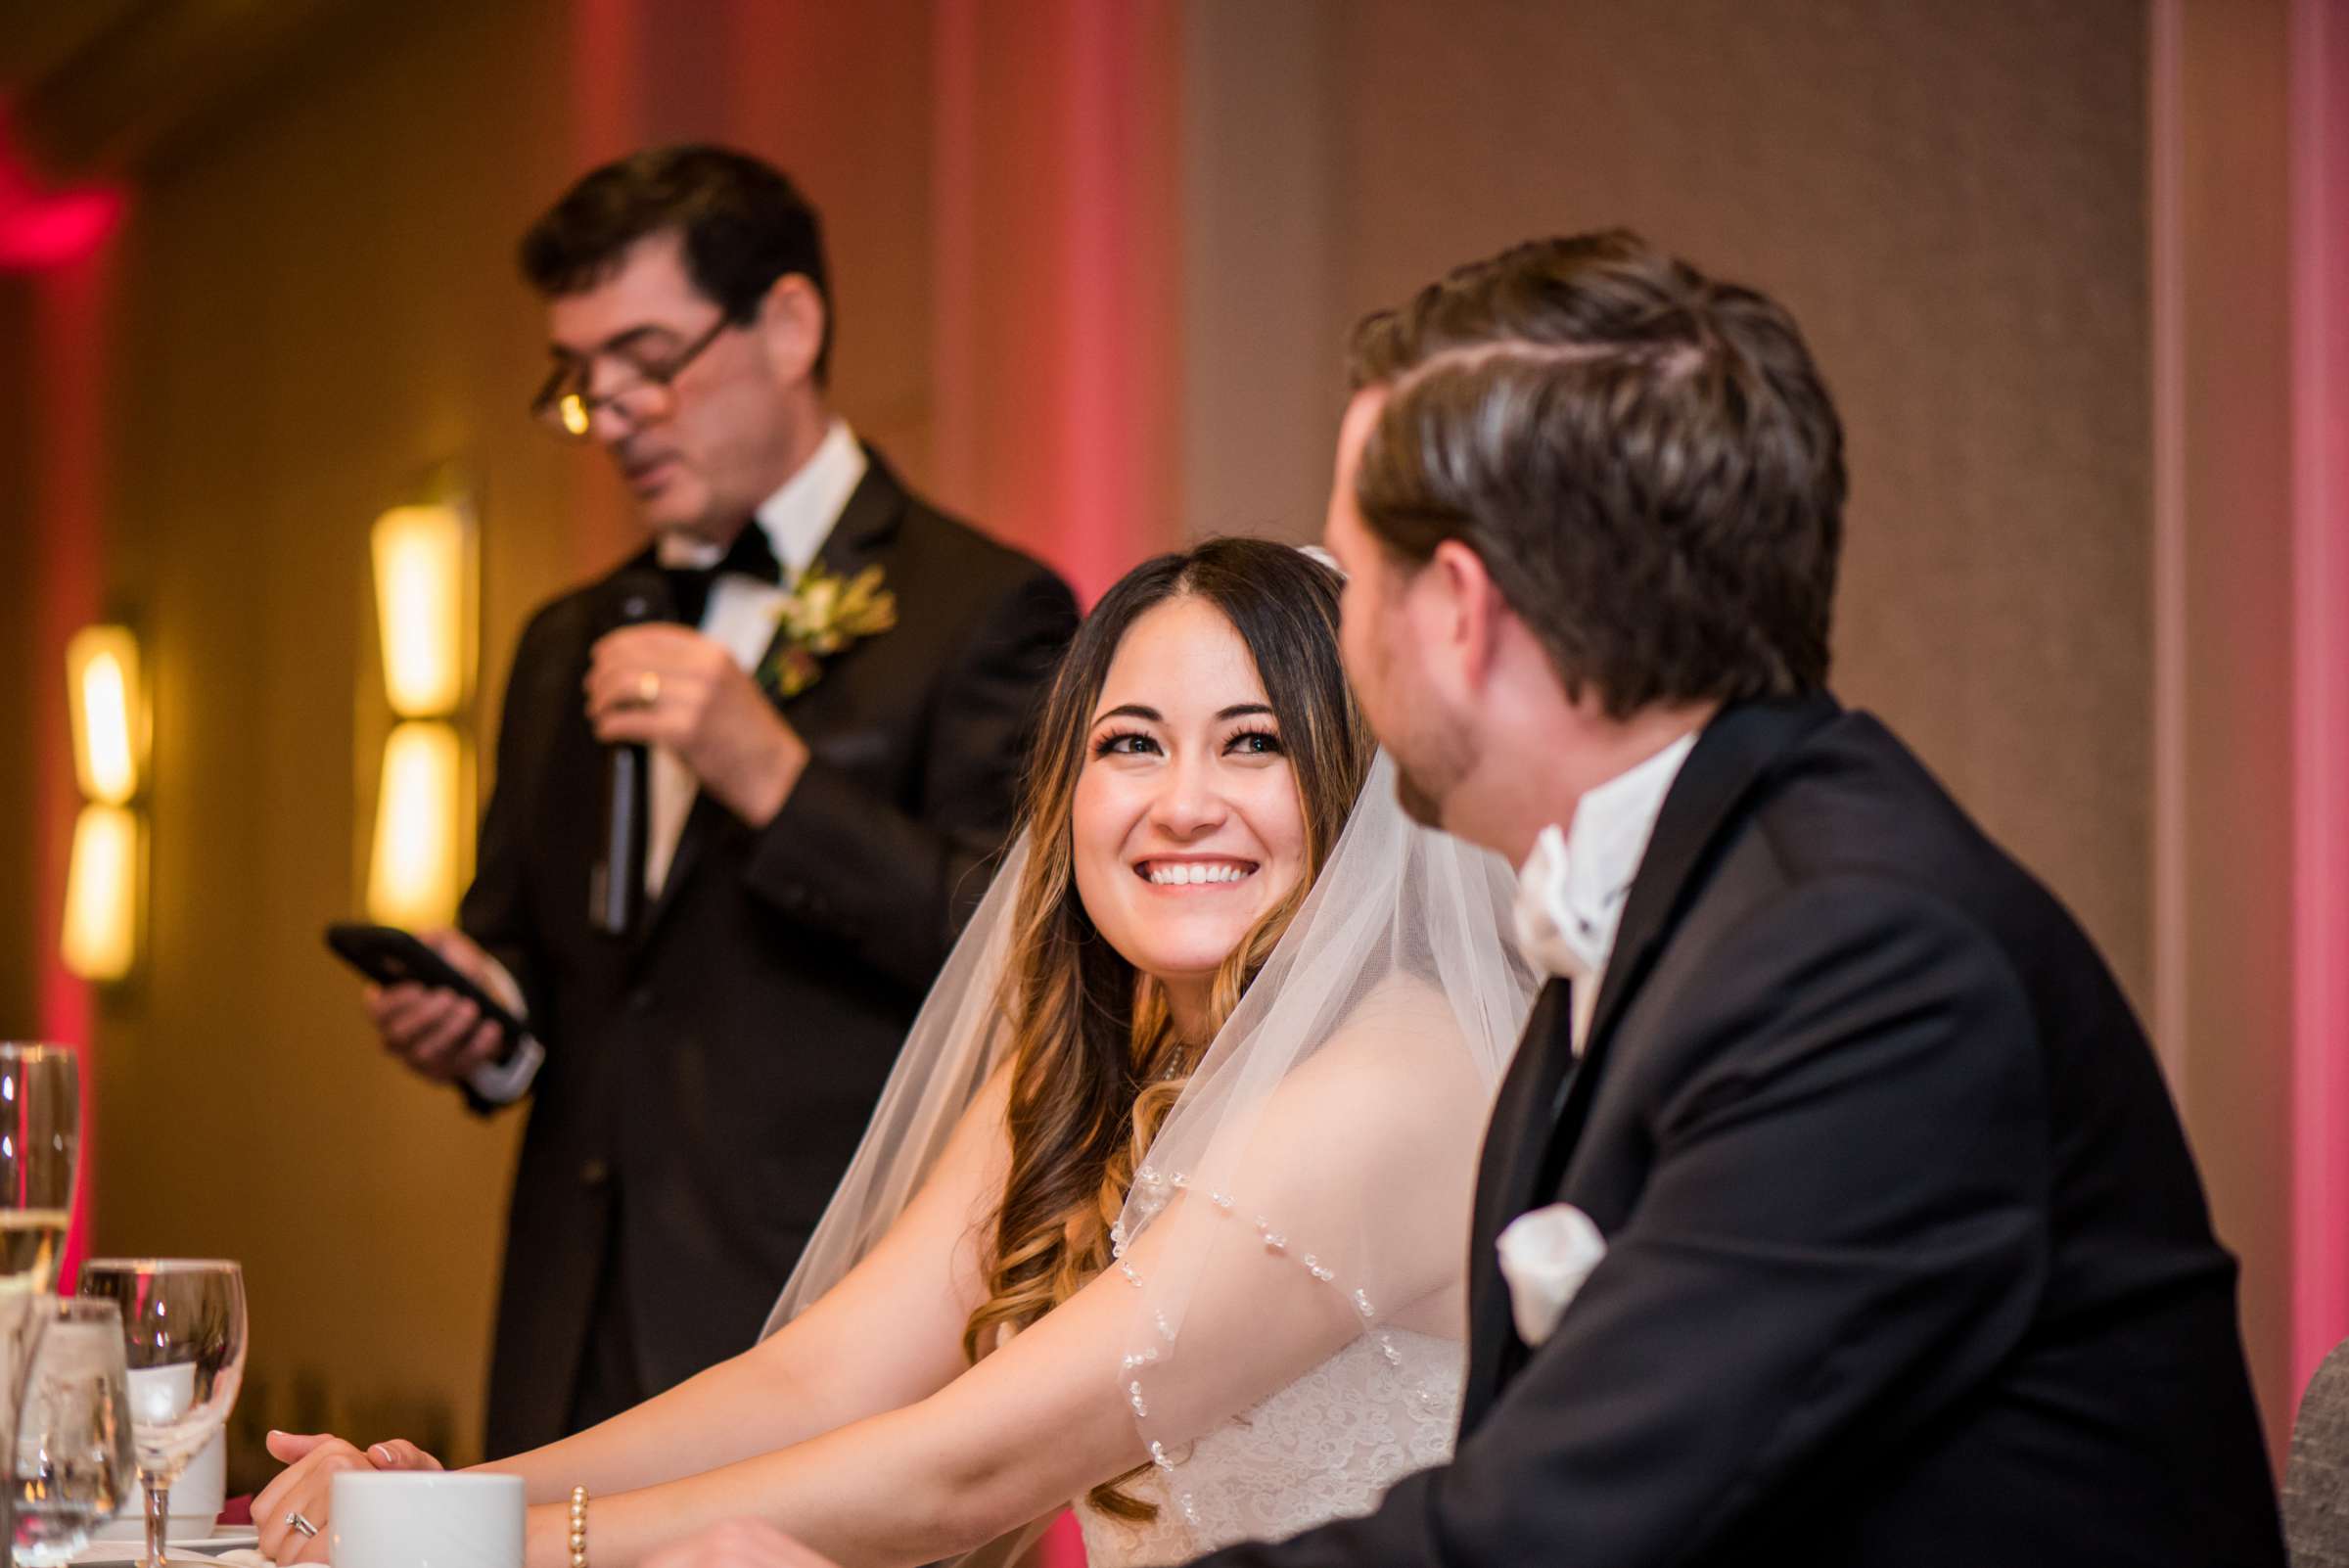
(414, 877)
(108, 700)
(419, 605)
(424, 589)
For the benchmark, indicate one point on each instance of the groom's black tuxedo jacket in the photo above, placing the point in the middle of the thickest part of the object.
(707, 1081)
(1907, 1266)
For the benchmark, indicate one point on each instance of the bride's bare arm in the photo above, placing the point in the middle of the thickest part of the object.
(1028, 1428)
(1049, 1416)
(887, 1335)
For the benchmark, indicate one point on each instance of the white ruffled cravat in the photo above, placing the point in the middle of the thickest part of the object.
(1563, 926)
(1572, 889)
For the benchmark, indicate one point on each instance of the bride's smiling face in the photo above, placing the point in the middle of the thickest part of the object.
(1186, 827)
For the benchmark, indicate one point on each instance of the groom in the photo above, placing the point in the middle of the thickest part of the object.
(1888, 1245)
(1899, 1253)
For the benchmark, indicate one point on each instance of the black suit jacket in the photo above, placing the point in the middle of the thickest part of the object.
(712, 1075)
(1907, 1262)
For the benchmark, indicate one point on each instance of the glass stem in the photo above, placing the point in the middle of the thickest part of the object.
(158, 1516)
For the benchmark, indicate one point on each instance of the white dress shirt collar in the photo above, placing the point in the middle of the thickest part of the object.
(799, 516)
(1572, 889)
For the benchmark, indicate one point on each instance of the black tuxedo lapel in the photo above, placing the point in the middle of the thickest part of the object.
(876, 508)
(859, 537)
(1513, 1147)
(1733, 755)
(1735, 752)
(1546, 1095)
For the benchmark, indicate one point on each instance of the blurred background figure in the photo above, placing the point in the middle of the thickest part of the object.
(704, 1051)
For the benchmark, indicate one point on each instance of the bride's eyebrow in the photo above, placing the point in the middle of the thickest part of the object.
(1148, 715)
(1151, 715)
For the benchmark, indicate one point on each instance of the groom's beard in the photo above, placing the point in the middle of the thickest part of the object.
(1431, 758)
(1417, 803)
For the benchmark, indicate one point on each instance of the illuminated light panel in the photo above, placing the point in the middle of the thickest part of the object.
(109, 715)
(102, 893)
(413, 873)
(420, 607)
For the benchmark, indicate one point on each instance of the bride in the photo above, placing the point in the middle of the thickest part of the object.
(1165, 1206)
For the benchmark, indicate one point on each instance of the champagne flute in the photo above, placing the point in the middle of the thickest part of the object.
(73, 1464)
(183, 1337)
(40, 1138)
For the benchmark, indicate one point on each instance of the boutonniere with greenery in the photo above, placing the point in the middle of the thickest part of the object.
(823, 614)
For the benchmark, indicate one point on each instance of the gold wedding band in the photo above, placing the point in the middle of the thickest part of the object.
(648, 688)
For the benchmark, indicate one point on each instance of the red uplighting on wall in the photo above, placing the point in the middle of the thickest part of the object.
(2320, 700)
(40, 229)
(61, 238)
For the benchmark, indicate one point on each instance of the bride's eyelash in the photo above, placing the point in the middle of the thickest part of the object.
(1266, 743)
(1105, 744)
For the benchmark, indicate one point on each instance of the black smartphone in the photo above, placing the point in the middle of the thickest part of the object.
(389, 956)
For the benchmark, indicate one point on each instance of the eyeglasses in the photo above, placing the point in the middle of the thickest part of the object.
(567, 404)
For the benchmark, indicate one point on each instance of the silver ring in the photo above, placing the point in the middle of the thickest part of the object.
(296, 1520)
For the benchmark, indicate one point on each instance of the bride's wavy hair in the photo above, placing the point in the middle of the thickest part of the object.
(1096, 1062)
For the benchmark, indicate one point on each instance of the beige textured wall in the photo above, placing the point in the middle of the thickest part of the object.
(1950, 197)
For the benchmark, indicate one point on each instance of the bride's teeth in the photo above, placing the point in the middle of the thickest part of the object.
(1190, 873)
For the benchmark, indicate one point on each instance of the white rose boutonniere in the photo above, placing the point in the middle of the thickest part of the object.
(1545, 1255)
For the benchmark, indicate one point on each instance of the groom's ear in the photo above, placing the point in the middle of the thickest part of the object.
(1469, 610)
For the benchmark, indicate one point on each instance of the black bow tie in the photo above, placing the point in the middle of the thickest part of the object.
(750, 556)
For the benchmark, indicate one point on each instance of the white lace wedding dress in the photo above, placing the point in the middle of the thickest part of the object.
(1327, 1447)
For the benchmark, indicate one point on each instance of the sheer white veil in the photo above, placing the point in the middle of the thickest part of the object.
(956, 1042)
(1312, 1187)
(1313, 1184)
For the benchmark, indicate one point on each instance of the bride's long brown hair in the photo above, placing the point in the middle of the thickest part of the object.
(1096, 1062)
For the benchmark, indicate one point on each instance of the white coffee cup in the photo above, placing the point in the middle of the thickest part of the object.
(424, 1519)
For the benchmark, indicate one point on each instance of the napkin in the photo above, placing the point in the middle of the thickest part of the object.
(1545, 1255)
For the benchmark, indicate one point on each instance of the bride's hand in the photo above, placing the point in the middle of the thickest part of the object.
(306, 1484)
(738, 1544)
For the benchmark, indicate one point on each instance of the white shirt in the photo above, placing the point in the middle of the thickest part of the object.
(741, 617)
(1571, 888)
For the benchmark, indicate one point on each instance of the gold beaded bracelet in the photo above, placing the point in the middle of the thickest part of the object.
(578, 1527)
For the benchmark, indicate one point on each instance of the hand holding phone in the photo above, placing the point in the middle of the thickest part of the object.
(430, 1013)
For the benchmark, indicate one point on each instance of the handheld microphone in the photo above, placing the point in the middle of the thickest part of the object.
(616, 884)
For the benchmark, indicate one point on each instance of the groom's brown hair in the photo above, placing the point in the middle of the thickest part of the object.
(1647, 460)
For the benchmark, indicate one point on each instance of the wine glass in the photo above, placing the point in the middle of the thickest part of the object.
(73, 1462)
(40, 1137)
(183, 1338)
